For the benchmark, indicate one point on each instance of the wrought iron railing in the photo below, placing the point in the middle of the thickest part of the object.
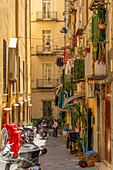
(47, 83)
(46, 16)
(42, 49)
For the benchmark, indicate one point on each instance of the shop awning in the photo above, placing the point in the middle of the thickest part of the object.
(78, 95)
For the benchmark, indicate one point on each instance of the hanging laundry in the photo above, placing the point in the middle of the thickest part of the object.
(59, 61)
(68, 67)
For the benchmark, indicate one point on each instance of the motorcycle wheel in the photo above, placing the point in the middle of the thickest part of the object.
(7, 166)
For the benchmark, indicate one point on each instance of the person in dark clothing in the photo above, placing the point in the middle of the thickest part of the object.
(55, 127)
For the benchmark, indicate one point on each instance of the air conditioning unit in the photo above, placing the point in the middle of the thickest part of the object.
(90, 90)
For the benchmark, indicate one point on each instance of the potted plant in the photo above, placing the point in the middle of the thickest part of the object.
(102, 24)
(72, 50)
(79, 145)
(72, 10)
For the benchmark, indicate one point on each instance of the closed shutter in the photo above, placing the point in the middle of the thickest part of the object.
(95, 29)
(66, 81)
(79, 69)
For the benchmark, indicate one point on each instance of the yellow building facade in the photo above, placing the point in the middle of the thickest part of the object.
(15, 74)
(46, 42)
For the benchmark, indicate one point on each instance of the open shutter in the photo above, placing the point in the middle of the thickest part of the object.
(95, 29)
(102, 16)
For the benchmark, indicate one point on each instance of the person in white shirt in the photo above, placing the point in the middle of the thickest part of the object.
(55, 127)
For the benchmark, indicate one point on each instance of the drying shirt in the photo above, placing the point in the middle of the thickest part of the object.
(68, 67)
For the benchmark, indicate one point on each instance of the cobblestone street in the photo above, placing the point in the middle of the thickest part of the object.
(58, 157)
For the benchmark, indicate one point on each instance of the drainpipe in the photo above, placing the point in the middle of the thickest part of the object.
(30, 57)
(26, 88)
(17, 81)
(65, 26)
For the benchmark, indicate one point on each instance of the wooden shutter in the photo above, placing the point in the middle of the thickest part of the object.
(95, 29)
(79, 69)
(102, 15)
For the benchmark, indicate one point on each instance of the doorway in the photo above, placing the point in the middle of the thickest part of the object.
(47, 74)
(46, 9)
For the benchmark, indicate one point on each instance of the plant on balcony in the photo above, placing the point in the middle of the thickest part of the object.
(82, 51)
(72, 10)
(79, 115)
(71, 50)
(79, 145)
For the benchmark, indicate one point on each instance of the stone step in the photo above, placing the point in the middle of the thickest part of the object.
(102, 166)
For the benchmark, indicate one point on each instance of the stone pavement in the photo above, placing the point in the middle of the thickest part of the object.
(58, 157)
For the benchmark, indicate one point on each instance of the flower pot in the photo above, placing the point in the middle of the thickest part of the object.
(88, 50)
(80, 153)
(74, 11)
(95, 49)
(102, 24)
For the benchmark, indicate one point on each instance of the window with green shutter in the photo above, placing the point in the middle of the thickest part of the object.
(67, 81)
(95, 29)
(79, 69)
(102, 16)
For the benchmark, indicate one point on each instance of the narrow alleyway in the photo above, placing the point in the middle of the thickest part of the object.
(58, 157)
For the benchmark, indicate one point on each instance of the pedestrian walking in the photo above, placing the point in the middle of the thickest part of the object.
(55, 127)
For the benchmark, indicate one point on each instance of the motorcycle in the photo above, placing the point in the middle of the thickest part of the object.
(43, 131)
(28, 155)
(27, 160)
(27, 134)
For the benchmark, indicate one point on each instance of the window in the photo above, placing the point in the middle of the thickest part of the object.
(23, 76)
(12, 55)
(46, 37)
(13, 89)
(46, 9)
(47, 74)
(4, 66)
(19, 75)
(47, 111)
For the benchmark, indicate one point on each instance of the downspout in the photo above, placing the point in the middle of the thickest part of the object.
(17, 81)
(26, 87)
(30, 57)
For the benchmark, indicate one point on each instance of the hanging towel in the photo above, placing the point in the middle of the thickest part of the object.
(68, 67)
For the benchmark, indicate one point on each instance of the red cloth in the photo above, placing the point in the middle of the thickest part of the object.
(14, 137)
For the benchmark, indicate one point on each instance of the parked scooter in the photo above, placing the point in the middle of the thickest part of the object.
(28, 154)
(28, 157)
(43, 129)
(27, 134)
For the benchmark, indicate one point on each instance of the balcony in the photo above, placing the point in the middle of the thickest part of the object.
(47, 83)
(42, 50)
(94, 70)
(46, 16)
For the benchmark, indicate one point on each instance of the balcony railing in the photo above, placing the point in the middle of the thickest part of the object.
(47, 83)
(46, 16)
(41, 49)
